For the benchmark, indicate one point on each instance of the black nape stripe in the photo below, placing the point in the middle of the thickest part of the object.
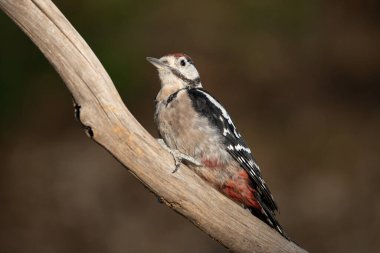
(172, 97)
(192, 83)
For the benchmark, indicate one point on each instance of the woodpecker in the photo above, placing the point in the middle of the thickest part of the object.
(197, 130)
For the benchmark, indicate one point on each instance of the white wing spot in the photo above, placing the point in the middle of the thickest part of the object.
(226, 131)
(257, 166)
(240, 147)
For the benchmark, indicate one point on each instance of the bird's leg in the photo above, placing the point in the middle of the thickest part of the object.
(178, 156)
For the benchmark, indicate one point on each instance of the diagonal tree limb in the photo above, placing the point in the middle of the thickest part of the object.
(112, 126)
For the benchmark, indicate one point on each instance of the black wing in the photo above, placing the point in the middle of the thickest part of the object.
(209, 107)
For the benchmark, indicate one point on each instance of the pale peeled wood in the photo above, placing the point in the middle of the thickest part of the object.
(118, 131)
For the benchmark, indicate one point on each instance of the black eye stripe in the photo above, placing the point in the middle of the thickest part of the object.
(190, 82)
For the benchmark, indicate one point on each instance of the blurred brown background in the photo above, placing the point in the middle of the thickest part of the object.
(301, 80)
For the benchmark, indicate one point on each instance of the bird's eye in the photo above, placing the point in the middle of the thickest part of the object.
(183, 62)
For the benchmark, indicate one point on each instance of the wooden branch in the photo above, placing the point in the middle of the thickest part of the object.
(114, 127)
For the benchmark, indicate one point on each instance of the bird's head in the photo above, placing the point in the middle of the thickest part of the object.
(175, 69)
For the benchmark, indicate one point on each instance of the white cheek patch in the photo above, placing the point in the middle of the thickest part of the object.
(190, 72)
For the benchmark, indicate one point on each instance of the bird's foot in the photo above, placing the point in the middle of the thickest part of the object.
(178, 156)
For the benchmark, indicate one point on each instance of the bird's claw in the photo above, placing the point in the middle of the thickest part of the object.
(178, 156)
